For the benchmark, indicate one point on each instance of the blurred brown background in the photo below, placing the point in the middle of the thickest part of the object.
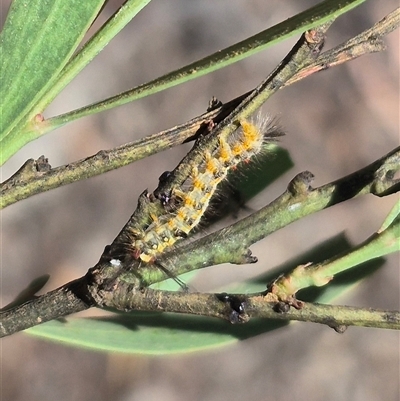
(337, 121)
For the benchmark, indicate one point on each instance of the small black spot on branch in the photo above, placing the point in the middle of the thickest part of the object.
(236, 304)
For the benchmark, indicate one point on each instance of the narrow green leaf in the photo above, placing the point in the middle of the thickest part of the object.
(391, 217)
(96, 43)
(149, 334)
(314, 16)
(38, 39)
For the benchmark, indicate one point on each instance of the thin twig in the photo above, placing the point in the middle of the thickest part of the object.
(382, 242)
(240, 308)
(369, 41)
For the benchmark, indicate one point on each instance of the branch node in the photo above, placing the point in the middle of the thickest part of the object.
(42, 164)
(339, 328)
(281, 307)
(29, 170)
(301, 184)
(385, 182)
(247, 258)
(282, 291)
(214, 104)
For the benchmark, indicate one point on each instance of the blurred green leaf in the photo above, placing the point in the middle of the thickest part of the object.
(149, 333)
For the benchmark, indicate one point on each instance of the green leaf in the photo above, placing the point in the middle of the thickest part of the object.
(150, 334)
(38, 39)
(392, 216)
(314, 16)
(168, 333)
(93, 46)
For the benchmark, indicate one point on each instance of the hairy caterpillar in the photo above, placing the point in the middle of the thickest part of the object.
(193, 200)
